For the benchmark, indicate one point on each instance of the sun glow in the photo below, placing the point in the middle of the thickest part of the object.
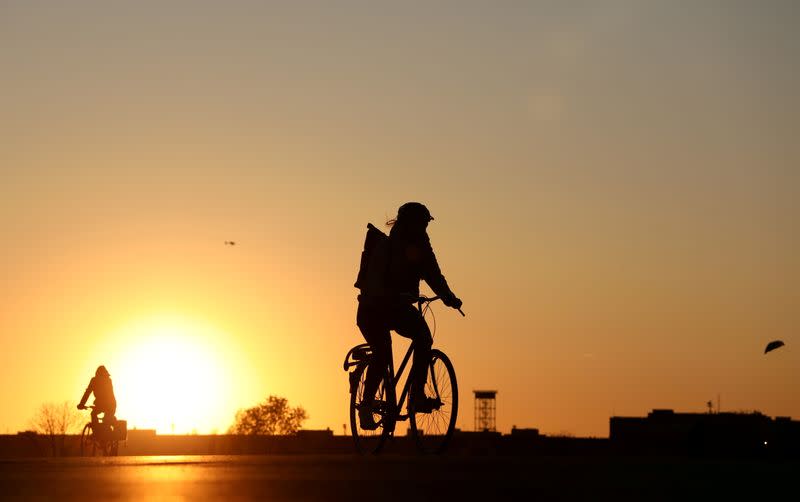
(174, 376)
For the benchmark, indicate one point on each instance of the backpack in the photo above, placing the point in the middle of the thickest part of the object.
(375, 260)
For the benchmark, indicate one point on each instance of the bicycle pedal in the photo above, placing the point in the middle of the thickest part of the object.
(426, 405)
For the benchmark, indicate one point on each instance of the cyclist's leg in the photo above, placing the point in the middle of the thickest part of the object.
(110, 413)
(109, 420)
(95, 412)
(371, 321)
(410, 323)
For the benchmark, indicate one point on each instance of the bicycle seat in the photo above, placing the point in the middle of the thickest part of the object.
(358, 353)
(361, 353)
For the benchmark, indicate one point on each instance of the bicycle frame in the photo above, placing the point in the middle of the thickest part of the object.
(394, 378)
(391, 396)
(396, 405)
(106, 445)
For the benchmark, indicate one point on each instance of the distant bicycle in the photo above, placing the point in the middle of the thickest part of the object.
(432, 431)
(102, 438)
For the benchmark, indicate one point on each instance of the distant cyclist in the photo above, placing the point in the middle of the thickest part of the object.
(104, 400)
(410, 259)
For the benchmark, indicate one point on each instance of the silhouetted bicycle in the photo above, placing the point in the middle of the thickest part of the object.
(432, 431)
(99, 439)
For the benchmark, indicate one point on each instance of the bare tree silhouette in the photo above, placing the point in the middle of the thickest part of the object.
(55, 421)
(273, 416)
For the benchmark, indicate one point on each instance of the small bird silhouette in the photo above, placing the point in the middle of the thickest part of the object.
(230, 243)
(773, 345)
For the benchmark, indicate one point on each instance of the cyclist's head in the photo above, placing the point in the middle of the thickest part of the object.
(101, 371)
(414, 213)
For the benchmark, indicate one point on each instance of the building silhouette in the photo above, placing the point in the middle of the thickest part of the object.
(663, 431)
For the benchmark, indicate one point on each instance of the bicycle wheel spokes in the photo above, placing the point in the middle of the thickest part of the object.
(433, 430)
(369, 440)
(94, 441)
(86, 441)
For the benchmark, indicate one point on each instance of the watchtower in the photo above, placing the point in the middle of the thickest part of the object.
(485, 410)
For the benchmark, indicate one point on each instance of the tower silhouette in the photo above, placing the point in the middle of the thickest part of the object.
(485, 410)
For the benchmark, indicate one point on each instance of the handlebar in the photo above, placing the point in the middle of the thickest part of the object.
(425, 299)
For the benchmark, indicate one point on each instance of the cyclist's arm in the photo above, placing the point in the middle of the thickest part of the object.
(432, 274)
(87, 393)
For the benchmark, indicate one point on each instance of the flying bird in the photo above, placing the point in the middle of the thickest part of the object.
(230, 243)
(773, 345)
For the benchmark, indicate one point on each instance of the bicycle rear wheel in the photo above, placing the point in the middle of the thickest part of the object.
(368, 441)
(432, 431)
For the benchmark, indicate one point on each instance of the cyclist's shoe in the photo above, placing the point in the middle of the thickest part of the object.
(424, 405)
(366, 420)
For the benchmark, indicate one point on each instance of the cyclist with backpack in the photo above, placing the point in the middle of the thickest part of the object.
(391, 269)
(104, 400)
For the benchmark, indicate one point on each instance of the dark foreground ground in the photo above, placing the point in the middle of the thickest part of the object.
(396, 477)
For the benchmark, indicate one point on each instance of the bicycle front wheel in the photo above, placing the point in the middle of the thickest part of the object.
(368, 441)
(87, 444)
(433, 430)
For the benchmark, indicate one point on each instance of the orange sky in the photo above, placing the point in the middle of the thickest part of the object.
(615, 190)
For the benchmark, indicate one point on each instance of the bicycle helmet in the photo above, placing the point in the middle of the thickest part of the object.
(414, 211)
(101, 371)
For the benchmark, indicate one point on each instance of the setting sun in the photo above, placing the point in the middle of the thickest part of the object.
(173, 376)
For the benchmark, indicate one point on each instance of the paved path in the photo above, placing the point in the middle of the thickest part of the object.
(392, 477)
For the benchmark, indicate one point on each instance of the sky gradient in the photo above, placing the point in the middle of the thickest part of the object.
(615, 187)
